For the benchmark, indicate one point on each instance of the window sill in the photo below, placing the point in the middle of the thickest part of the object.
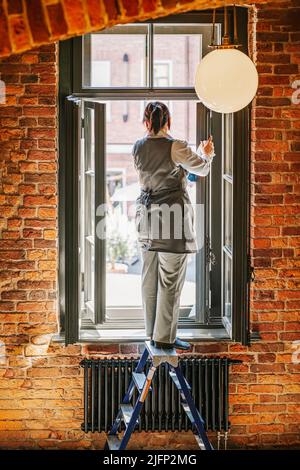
(138, 335)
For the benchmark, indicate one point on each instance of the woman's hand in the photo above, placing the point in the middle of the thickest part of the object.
(207, 147)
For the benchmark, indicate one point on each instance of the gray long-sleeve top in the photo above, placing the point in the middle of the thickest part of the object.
(182, 154)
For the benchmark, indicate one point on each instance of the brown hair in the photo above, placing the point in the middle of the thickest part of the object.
(157, 114)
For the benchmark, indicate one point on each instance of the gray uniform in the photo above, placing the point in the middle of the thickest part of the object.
(165, 236)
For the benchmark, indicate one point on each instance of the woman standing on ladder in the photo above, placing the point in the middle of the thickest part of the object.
(164, 220)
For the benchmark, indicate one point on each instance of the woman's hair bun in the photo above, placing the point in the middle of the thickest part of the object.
(157, 114)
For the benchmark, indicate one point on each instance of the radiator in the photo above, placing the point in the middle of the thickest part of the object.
(106, 382)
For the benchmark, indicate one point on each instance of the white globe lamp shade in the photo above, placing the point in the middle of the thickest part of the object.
(226, 80)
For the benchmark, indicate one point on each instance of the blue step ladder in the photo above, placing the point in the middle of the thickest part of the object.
(130, 414)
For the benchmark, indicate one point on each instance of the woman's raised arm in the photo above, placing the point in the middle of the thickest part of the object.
(197, 162)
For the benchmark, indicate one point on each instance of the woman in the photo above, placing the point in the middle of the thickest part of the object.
(164, 220)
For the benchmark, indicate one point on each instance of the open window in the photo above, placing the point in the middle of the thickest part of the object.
(110, 261)
(99, 122)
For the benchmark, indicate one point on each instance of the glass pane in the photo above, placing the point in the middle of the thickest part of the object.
(89, 276)
(228, 214)
(123, 267)
(116, 57)
(177, 52)
(228, 143)
(227, 287)
(162, 74)
(87, 217)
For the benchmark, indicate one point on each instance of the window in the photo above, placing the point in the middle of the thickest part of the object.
(181, 46)
(101, 73)
(162, 77)
(101, 98)
(124, 47)
(162, 73)
(117, 177)
(135, 44)
(227, 194)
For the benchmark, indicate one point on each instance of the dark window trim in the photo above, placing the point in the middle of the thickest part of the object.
(70, 272)
(69, 320)
(241, 227)
(65, 89)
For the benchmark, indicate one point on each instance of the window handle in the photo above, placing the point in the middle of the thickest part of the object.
(210, 255)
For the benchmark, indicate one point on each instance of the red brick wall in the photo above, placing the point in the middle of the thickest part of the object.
(40, 382)
(31, 23)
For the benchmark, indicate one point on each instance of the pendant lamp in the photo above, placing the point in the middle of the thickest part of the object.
(226, 78)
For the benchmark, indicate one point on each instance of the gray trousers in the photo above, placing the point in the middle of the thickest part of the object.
(163, 276)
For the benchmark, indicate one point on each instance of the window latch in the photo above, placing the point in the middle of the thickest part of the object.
(210, 256)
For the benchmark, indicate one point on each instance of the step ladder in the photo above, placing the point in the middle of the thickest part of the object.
(129, 414)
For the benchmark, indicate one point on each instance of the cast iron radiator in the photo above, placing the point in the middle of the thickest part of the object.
(106, 382)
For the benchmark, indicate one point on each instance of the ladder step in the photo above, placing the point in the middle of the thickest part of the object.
(176, 381)
(113, 442)
(200, 442)
(160, 355)
(127, 410)
(186, 408)
(159, 352)
(139, 379)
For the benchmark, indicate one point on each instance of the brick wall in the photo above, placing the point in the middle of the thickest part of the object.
(31, 23)
(40, 382)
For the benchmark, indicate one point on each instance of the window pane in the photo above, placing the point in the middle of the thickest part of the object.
(115, 57)
(162, 74)
(227, 274)
(89, 279)
(228, 214)
(178, 48)
(228, 143)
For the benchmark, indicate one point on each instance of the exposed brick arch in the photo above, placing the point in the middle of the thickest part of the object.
(30, 23)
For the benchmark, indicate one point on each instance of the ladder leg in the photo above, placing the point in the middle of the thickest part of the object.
(142, 362)
(137, 408)
(195, 413)
(139, 368)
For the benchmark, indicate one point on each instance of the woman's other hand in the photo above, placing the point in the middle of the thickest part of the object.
(207, 147)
